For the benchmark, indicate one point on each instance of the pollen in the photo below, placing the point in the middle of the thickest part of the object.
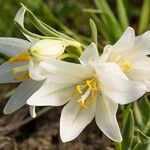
(125, 66)
(86, 92)
(24, 56)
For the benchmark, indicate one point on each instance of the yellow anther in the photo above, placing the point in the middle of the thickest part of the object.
(22, 77)
(92, 84)
(24, 56)
(86, 92)
(79, 89)
(125, 66)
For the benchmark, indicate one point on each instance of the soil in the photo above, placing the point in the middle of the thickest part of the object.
(42, 133)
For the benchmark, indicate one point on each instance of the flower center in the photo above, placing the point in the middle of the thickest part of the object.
(87, 92)
(22, 57)
(123, 63)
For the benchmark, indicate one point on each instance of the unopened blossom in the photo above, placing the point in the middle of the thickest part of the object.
(23, 65)
(90, 89)
(131, 54)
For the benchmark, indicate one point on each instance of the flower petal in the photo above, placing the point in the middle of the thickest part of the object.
(51, 94)
(116, 85)
(35, 70)
(90, 53)
(120, 90)
(19, 98)
(6, 72)
(106, 118)
(74, 72)
(19, 18)
(140, 69)
(13, 46)
(105, 55)
(124, 45)
(142, 44)
(74, 119)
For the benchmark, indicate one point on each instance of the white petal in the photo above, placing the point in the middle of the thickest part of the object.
(35, 70)
(74, 119)
(124, 44)
(51, 94)
(140, 69)
(20, 19)
(13, 46)
(90, 53)
(6, 72)
(127, 39)
(23, 92)
(142, 43)
(105, 55)
(106, 118)
(48, 48)
(110, 68)
(121, 90)
(32, 111)
(66, 69)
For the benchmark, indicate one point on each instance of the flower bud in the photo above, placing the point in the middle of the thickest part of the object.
(52, 48)
(47, 48)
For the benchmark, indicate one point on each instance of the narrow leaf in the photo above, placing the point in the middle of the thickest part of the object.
(144, 17)
(94, 31)
(109, 18)
(122, 14)
(138, 114)
(128, 132)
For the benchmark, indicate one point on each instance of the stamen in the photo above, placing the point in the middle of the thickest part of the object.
(24, 56)
(79, 89)
(20, 69)
(22, 77)
(126, 66)
(86, 92)
(82, 104)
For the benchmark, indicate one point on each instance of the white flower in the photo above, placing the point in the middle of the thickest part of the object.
(24, 61)
(12, 72)
(24, 65)
(91, 89)
(130, 53)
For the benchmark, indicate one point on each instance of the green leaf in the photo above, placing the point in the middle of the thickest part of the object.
(144, 17)
(125, 116)
(109, 18)
(123, 18)
(25, 31)
(101, 28)
(144, 140)
(128, 132)
(91, 10)
(94, 31)
(138, 114)
(145, 109)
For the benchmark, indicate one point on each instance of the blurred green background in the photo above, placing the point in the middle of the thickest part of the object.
(53, 12)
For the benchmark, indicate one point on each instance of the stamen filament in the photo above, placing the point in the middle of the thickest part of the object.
(20, 69)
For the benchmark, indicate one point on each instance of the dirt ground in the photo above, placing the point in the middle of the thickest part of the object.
(19, 132)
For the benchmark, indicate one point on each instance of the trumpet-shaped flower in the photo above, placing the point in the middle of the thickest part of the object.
(90, 89)
(130, 53)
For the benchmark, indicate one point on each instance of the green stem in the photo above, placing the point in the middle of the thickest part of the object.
(118, 146)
